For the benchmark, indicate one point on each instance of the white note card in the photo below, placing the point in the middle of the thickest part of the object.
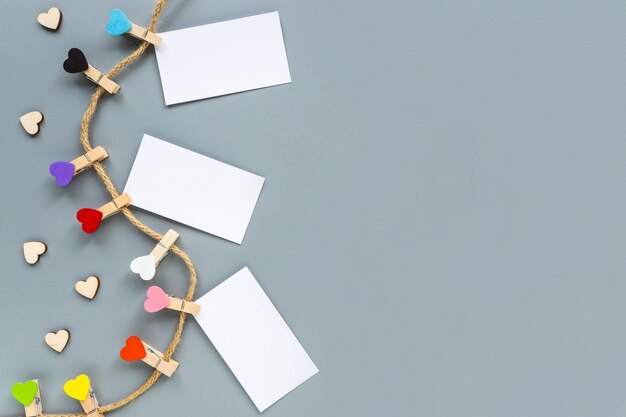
(222, 58)
(193, 189)
(254, 340)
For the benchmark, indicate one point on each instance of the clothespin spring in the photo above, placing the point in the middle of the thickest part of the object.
(95, 403)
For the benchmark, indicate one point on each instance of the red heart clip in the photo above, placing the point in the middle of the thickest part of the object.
(90, 219)
(134, 349)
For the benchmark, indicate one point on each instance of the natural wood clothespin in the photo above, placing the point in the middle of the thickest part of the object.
(76, 62)
(120, 24)
(135, 349)
(163, 247)
(65, 171)
(27, 393)
(91, 218)
(146, 265)
(80, 389)
(157, 300)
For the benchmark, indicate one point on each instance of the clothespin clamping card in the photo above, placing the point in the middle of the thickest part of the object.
(76, 62)
(91, 218)
(135, 349)
(120, 24)
(64, 172)
(157, 300)
(27, 393)
(80, 389)
(146, 265)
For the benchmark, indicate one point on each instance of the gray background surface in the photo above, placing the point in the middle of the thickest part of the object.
(442, 224)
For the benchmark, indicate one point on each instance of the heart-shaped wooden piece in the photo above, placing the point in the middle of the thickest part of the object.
(30, 122)
(58, 341)
(90, 219)
(88, 288)
(25, 392)
(32, 251)
(78, 388)
(145, 266)
(134, 349)
(51, 19)
(156, 300)
(76, 61)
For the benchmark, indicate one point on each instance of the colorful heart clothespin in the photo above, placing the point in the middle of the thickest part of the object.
(27, 393)
(120, 24)
(146, 265)
(80, 389)
(76, 62)
(91, 218)
(64, 172)
(135, 349)
(157, 300)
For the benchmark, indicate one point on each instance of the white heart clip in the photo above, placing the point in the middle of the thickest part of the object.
(145, 266)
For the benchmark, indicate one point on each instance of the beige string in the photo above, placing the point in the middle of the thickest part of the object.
(84, 139)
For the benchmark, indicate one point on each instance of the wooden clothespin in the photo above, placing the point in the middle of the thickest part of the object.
(27, 393)
(65, 171)
(120, 24)
(76, 62)
(135, 349)
(157, 300)
(80, 389)
(146, 265)
(91, 218)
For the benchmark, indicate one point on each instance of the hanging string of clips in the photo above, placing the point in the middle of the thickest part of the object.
(80, 388)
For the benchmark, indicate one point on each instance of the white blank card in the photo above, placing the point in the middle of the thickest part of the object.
(193, 189)
(253, 339)
(222, 58)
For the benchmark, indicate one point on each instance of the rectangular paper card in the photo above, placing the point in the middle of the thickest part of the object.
(222, 58)
(253, 339)
(193, 189)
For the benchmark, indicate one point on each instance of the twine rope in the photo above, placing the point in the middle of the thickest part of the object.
(110, 187)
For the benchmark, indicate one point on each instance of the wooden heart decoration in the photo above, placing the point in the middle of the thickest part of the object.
(156, 300)
(51, 19)
(58, 341)
(78, 388)
(88, 288)
(76, 61)
(30, 122)
(145, 266)
(33, 250)
(90, 219)
(25, 392)
(134, 349)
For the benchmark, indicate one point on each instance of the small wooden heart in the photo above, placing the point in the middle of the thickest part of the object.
(75, 62)
(58, 341)
(30, 122)
(88, 288)
(33, 250)
(78, 388)
(51, 19)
